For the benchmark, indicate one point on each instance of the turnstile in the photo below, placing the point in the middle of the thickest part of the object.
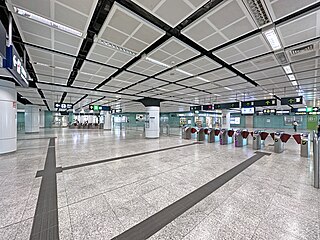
(256, 140)
(316, 157)
(239, 139)
(278, 144)
(212, 136)
(305, 145)
(186, 133)
(201, 135)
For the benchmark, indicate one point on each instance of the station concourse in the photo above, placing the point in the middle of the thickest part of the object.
(159, 119)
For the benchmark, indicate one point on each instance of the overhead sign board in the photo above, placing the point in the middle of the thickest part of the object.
(99, 108)
(207, 107)
(117, 110)
(247, 111)
(259, 103)
(14, 65)
(291, 100)
(195, 108)
(269, 111)
(226, 105)
(63, 106)
(3, 46)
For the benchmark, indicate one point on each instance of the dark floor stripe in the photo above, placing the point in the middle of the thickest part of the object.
(153, 224)
(126, 156)
(45, 222)
(39, 138)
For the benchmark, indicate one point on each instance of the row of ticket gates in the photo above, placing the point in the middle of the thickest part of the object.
(240, 138)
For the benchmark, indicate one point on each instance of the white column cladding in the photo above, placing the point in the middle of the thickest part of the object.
(8, 117)
(226, 119)
(31, 119)
(41, 124)
(152, 127)
(107, 121)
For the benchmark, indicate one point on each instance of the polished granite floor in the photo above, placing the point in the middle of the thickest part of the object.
(271, 199)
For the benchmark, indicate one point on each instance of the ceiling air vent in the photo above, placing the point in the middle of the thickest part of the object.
(302, 50)
(282, 58)
(258, 11)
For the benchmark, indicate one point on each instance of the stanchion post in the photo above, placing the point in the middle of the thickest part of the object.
(315, 160)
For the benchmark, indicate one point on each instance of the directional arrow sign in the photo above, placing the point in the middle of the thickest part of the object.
(291, 100)
(260, 103)
(226, 105)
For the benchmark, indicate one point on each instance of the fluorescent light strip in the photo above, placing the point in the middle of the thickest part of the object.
(157, 62)
(294, 83)
(273, 39)
(287, 69)
(228, 88)
(46, 21)
(217, 95)
(184, 72)
(201, 78)
(292, 77)
(116, 47)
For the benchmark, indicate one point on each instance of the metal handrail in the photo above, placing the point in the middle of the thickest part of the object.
(315, 160)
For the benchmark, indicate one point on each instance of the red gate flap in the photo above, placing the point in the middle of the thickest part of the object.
(216, 132)
(230, 133)
(193, 130)
(251, 133)
(206, 131)
(264, 135)
(245, 134)
(297, 137)
(272, 135)
(285, 137)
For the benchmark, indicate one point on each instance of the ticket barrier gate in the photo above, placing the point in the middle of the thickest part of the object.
(316, 157)
(226, 136)
(305, 143)
(201, 134)
(280, 138)
(256, 140)
(240, 139)
(212, 136)
(186, 133)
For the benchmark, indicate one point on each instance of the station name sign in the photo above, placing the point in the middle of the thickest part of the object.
(291, 100)
(63, 106)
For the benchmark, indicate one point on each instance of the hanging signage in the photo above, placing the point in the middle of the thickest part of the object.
(207, 107)
(226, 105)
(117, 110)
(3, 46)
(247, 111)
(14, 65)
(63, 106)
(260, 103)
(99, 108)
(291, 100)
(283, 112)
(195, 108)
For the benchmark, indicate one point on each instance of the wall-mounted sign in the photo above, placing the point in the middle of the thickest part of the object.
(226, 105)
(291, 100)
(269, 111)
(207, 107)
(14, 65)
(195, 108)
(63, 106)
(99, 108)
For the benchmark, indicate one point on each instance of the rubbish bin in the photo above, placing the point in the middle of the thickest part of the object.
(256, 140)
(278, 144)
(305, 145)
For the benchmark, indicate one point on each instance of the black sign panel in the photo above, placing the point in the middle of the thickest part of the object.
(117, 110)
(64, 106)
(2, 41)
(195, 108)
(260, 103)
(207, 107)
(291, 100)
(227, 105)
(99, 108)
(14, 65)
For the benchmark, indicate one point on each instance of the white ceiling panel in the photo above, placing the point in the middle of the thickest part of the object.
(257, 64)
(200, 65)
(126, 29)
(223, 23)
(166, 10)
(218, 74)
(146, 67)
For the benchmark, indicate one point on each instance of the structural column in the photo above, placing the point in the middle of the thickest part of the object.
(32, 119)
(8, 117)
(152, 125)
(226, 119)
(107, 121)
(41, 123)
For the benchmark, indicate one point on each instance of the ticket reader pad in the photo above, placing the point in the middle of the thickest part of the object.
(278, 144)
(305, 145)
(256, 140)
(201, 134)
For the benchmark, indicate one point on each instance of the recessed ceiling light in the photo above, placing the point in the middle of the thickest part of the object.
(271, 94)
(287, 69)
(273, 39)
(201, 78)
(114, 46)
(46, 21)
(294, 83)
(228, 88)
(292, 77)
(157, 62)
(184, 72)
(217, 95)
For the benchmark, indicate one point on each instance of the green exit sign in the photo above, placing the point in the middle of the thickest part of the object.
(309, 109)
